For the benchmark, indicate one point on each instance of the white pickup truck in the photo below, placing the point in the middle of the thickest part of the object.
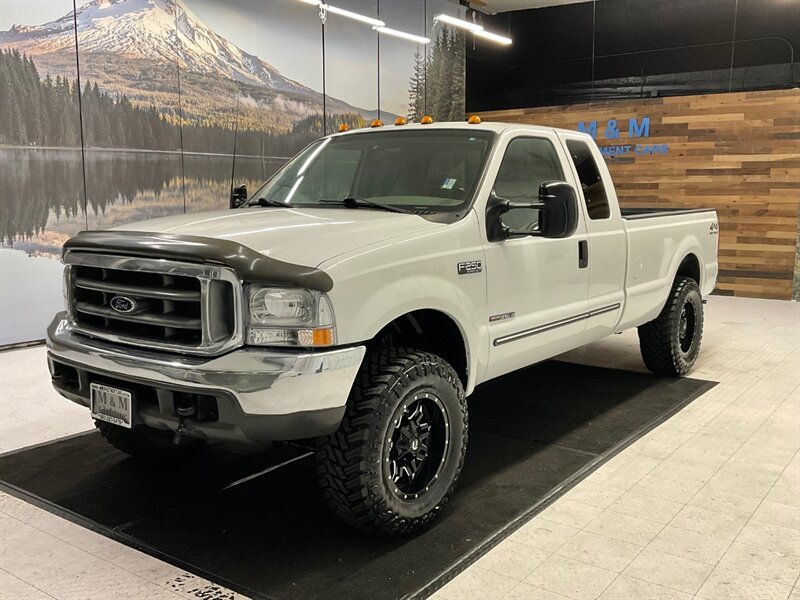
(362, 294)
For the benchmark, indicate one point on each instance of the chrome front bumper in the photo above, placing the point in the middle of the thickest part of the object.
(260, 382)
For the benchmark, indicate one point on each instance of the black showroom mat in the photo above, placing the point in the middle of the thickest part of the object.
(533, 434)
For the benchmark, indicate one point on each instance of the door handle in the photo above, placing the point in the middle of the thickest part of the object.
(583, 254)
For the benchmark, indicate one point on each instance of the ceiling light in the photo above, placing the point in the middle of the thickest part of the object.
(500, 39)
(351, 15)
(456, 22)
(402, 34)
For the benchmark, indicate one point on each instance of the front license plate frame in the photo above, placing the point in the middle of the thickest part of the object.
(112, 405)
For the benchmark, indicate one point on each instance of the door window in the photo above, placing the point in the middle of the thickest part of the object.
(526, 164)
(594, 192)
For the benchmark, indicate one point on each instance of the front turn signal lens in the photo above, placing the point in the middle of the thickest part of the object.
(321, 337)
(316, 338)
(426, 120)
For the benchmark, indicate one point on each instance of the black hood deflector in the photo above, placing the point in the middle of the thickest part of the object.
(248, 264)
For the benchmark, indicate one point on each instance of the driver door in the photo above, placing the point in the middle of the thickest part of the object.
(537, 288)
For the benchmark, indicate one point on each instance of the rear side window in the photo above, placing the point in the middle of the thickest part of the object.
(594, 192)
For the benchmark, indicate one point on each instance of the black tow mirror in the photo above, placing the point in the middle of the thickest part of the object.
(238, 196)
(560, 213)
(557, 214)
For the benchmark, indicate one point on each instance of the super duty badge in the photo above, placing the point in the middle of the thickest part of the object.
(469, 267)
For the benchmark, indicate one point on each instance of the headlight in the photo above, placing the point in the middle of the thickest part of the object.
(289, 317)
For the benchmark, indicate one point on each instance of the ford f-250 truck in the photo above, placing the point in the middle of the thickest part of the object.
(362, 294)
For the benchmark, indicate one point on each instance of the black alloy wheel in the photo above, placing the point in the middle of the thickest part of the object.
(686, 329)
(418, 445)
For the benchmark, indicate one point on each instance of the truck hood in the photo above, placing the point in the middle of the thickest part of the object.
(303, 236)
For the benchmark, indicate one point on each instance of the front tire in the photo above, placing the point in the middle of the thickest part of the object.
(399, 451)
(670, 343)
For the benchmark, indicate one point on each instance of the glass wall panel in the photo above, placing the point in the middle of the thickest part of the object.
(767, 44)
(41, 179)
(654, 47)
(129, 93)
(282, 113)
(351, 68)
(402, 61)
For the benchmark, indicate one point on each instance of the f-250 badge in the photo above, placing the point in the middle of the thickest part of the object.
(469, 267)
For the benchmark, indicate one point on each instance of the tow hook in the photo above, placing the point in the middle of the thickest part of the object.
(184, 411)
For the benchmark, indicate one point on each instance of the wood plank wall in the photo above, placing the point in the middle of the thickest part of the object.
(738, 153)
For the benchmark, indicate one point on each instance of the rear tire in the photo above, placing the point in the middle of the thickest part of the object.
(670, 343)
(399, 450)
(145, 442)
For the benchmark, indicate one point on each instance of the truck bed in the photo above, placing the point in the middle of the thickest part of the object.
(658, 239)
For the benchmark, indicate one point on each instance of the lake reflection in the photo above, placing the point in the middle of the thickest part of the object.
(43, 200)
(42, 205)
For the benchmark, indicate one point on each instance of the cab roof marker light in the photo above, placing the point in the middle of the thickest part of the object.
(456, 22)
(351, 15)
(402, 34)
(500, 39)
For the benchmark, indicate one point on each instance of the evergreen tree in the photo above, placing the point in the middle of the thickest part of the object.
(416, 91)
(436, 86)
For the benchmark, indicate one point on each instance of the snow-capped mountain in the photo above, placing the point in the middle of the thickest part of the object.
(146, 29)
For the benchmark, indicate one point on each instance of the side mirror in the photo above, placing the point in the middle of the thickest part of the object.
(558, 213)
(238, 196)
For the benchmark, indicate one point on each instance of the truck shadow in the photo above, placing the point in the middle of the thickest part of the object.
(271, 536)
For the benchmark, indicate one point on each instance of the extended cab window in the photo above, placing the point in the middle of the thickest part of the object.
(594, 192)
(526, 164)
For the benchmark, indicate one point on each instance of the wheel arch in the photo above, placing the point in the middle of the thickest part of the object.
(431, 330)
(690, 267)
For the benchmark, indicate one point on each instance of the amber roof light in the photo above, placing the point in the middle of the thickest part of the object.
(426, 120)
(376, 123)
(474, 120)
(344, 127)
(401, 121)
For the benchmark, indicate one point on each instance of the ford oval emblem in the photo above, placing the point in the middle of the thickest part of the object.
(123, 304)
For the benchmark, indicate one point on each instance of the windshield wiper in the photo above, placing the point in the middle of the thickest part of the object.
(269, 202)
(354, 202)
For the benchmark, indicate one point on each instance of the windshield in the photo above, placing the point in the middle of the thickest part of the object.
(419, 171)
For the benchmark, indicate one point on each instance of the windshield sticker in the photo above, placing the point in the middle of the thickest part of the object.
(448, 183)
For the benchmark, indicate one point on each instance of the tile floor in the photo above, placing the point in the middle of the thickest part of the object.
(705, 506)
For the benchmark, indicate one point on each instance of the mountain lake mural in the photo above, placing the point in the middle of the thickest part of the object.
(169, 93)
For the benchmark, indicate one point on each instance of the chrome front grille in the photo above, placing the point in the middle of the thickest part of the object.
(154, 303)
